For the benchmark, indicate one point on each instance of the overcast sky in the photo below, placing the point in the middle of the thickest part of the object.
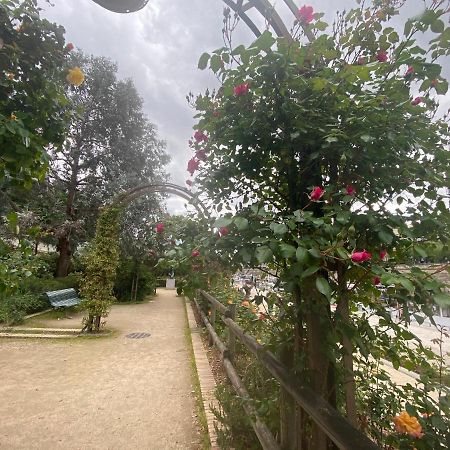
(158, 47)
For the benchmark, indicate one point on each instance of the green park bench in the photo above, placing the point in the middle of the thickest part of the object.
(63, 298)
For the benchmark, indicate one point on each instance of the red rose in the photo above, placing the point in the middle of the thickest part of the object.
(316, 193)
(223, 231)
(350, 190)
(69, 47)
(382, 56)
(242, 89)
(159, 227)
(361, 256)
(193, 165)
(383, 254)
(376, 281)
(305, 14)
(417, 101)
(195, 253)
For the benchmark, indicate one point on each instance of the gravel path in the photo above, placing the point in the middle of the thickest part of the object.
(106, 393)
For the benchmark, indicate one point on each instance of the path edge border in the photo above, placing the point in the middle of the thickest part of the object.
(205, 375)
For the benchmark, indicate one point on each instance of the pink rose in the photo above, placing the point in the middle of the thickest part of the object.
(305, 14)
(383, 254)
(316, 193)
(189, 183)
(193, 165)
(242, 89)
(200, 154)
(417, 101)
(199, 136)
(382, 56)
(350, 190)
(159, 227)
(361, 256)
(195, 253)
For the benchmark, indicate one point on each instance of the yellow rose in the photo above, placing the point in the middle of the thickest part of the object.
(12, 117)
(75, 76)
(404, 423)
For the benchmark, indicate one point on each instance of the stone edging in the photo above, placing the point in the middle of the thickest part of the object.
(205, 376)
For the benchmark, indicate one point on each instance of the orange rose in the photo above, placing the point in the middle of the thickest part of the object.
(404, 423)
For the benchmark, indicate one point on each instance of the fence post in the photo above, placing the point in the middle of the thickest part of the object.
(212, 321)
(231, 313)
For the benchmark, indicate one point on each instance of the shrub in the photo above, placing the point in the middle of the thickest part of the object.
(14, 308)
(126, 273)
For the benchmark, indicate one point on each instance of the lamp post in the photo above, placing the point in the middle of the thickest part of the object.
(241, 7)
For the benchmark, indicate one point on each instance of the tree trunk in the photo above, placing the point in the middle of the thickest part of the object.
(65, 252)
(63, 247)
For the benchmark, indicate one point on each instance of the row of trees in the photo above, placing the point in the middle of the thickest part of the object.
(72, 136)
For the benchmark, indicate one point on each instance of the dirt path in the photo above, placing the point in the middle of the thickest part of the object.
(106, 393)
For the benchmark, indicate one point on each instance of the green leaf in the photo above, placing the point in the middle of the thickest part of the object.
(420, 251)
(437, 26)
(323, 287)
(315, 253)
(367, 138)
(309, 271)
(407, 284)
(216, 63)
(342, 253)
(265, 41)
(241, 223)
(385, 236)
(223, 222)
(442, 299)
(263, 254)
(287, 251)
(203, 61)
(441, 87)
(278, 228)
(301, 255)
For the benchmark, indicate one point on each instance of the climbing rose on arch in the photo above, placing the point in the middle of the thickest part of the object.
(199, 136)
(361, 256)
(242, 89)
(316, 193)
(192, 165)
(306, 14)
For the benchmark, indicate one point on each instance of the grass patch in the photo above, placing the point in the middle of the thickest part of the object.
(204, 438)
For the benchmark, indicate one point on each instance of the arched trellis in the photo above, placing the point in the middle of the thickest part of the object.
(128, 196)
(241, 7)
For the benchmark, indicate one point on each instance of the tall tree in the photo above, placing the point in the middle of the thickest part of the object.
(110, 146)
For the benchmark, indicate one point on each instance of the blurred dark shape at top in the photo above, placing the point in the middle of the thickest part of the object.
(122, 6)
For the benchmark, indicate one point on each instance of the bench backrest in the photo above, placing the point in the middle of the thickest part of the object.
(63, 297)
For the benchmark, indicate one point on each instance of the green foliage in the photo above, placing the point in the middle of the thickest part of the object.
(15, 307)
(32, 99)
(337, 113)
(129, 272)
(101, 262)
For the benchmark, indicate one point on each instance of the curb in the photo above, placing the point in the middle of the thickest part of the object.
(205, 376)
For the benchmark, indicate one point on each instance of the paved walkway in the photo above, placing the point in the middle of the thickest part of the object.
(109, 393)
